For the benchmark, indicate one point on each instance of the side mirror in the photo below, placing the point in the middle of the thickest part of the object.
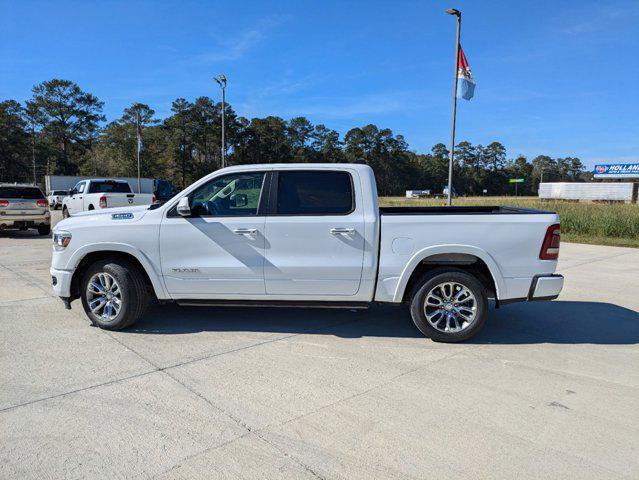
(72, 192)
(183, 207)
(239, 200)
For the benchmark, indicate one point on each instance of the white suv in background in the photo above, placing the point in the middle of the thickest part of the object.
(55, 198)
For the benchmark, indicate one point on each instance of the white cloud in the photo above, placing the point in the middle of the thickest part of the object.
(238, 46)
(342, 107)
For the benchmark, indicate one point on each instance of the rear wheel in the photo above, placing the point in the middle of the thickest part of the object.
(113, 294)
(65, 212)
(44, 229)
(449, 306)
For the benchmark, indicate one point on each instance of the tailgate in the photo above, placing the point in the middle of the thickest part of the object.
(127, 199)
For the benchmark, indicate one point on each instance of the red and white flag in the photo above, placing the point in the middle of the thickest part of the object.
(466, 84)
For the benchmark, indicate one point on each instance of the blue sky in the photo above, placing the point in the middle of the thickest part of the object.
(553, 77)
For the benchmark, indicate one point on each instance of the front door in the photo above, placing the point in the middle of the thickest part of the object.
(217, 252)
(75, 203)
(315, 235)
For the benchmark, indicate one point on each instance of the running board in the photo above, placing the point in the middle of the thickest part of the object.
(272, 303)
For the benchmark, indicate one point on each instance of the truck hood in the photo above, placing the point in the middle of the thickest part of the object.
(106, 216)
(136, 210)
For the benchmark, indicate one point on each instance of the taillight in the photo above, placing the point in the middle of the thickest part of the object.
(42, 203)
(103, 202)
(4, 203)
(154, 200)
(550, 247)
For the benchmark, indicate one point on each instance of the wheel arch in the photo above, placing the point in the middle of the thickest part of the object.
(85, 257)
(462, 257)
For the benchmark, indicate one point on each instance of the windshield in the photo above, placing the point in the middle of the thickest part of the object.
(109, 187)
(31, 193)
(59, 192)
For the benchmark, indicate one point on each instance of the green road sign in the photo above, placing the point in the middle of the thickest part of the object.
(516, 180)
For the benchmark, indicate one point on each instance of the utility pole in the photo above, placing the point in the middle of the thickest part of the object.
(221, 81)
(33, 159)
(457, 13)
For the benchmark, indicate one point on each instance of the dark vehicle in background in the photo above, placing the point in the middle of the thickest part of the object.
(163, 190)
(23, 207)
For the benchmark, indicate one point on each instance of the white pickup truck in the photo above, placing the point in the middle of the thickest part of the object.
(102, 193)
(306, 235)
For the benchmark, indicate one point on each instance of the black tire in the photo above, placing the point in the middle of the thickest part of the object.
(134, 296)
(437, 277)
(44, 230)
(65, 212)
(91, 207)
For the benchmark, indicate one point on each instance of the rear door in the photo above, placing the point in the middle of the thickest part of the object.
(314, 234)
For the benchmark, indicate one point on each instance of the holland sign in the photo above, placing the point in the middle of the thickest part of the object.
(620, 170)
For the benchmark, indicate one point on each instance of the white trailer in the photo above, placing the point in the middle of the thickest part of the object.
(64, 182)
(595, 191)
(417, 193)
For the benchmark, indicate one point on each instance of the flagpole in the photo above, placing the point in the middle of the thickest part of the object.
(457, 13)
(137, 131)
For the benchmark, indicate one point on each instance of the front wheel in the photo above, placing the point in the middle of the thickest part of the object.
(449, 306)
(113, 294)
(65, 212)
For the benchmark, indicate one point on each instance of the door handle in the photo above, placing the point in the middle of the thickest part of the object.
(342, 231)
(245, 231)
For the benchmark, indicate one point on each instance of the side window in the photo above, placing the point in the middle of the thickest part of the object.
(80, 187)
(236, 194)
(316, 192)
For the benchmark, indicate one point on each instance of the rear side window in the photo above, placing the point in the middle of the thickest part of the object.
(314, 193)
(29, 193)
(109, 187)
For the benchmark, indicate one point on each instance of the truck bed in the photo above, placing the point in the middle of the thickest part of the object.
(468, 210)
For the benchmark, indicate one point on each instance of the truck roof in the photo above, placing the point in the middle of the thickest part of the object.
(5, 184)
(104, 180)
(296, 166)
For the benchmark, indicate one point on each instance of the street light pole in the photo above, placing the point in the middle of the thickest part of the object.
(457, 13)
(222, 83)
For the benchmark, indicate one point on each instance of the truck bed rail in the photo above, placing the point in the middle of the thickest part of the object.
(467, 210)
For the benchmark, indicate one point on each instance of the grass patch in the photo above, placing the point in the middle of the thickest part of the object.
(614, 224)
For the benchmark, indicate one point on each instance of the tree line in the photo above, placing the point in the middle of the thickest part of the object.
(62, 130)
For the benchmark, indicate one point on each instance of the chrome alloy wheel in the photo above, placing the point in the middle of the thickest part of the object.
(104, 296)
(450, 307)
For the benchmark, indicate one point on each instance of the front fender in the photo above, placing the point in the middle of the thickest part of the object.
(423, 254)
(146, 263)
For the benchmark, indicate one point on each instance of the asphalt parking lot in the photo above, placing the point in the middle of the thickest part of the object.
(547, 390)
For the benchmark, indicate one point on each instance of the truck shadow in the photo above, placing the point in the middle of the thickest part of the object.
(562, 323)
(527, 323)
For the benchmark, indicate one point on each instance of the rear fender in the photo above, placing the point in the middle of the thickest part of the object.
(423, 254)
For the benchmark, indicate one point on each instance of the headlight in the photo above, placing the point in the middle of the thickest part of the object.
(61, 240)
